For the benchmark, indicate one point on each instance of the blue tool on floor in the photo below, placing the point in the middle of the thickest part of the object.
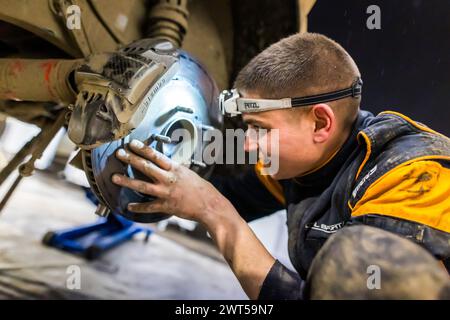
(92, 240)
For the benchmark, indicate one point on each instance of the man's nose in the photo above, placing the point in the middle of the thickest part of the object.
(251, 142)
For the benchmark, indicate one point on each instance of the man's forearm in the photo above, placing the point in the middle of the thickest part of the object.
(247, 257)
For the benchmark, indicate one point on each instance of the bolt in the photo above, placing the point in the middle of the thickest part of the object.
(161, 138)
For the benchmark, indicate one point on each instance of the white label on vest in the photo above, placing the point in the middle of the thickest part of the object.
(331, 228)
(360, 184)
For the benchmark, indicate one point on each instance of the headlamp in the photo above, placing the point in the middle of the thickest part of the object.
(231, 103)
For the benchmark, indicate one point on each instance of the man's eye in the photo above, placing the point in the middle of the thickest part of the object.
(257, 128)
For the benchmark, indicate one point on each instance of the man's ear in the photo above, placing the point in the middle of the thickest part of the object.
(325, 122)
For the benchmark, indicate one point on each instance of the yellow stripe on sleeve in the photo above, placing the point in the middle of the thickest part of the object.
(417, 191)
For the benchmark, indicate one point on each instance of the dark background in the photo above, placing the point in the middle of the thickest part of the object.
(405, 65)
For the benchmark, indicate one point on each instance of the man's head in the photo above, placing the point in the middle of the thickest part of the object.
(301, 65)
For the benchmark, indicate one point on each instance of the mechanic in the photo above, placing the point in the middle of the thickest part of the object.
(338, 166)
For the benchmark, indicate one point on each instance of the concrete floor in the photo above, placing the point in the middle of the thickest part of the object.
(159, 269)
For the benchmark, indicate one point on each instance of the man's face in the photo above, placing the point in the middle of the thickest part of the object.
(297, 151)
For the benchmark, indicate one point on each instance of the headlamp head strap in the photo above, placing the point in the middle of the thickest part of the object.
(232, 104)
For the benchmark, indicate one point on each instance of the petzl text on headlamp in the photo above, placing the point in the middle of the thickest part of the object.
(231, 103)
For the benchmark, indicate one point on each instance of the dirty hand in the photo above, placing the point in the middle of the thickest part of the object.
(179, 190)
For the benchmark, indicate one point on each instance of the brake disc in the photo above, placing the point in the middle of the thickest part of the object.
(187, 101)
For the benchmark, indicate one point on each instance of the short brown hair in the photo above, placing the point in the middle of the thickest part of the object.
(300, 65)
